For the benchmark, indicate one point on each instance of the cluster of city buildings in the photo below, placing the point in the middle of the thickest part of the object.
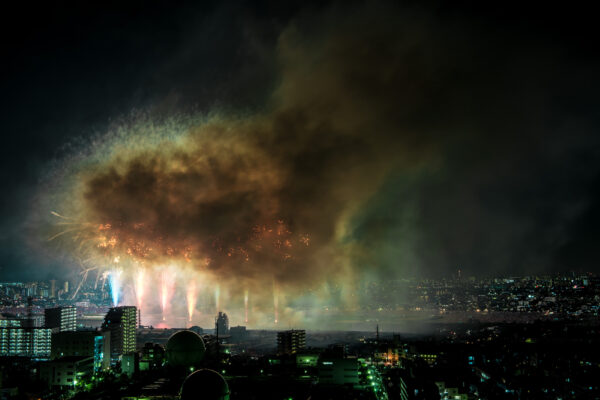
(552, 295)
(64, 353)
(53, 352)
(487, 299)
(546, 359)
(63, 359)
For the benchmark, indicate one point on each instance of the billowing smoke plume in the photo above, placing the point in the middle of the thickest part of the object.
(265, 196)
(268, 203)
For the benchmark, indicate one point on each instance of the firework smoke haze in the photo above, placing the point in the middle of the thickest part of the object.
(256, 198)
(336, 177)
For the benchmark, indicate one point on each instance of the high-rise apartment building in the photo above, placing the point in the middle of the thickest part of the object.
(16, 340)
(121, 322)
(61, 319)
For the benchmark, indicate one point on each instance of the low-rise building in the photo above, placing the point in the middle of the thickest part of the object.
(83, 343)
(338, 371)
(67, 371)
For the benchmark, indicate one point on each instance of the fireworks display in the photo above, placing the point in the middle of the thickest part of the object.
(270, 165)
(188, 214)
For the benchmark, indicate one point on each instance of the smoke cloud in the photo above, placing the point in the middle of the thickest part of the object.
(392, 143)
(269, 195)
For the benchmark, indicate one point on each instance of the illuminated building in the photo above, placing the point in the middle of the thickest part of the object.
(4, 323)
(83, 343)
(152, 356)
(31, 289)
(447, 393)
(19, 341)
(67, 371)
(130, 364)
(429, 358)
(389, 357)
(222, 324)
(307, 360)
(61, 319)
(290, 342)
(101, 351)
(121, 323)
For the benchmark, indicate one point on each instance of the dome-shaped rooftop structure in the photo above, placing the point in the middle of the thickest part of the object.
(185, 349)
(205, 384)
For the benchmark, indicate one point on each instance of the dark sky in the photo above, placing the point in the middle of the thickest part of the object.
(504, 96)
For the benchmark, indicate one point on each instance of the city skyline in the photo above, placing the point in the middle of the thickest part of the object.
(409, 306)
(509, 338)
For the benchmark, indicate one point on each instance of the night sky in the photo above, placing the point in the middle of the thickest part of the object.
(414, 138)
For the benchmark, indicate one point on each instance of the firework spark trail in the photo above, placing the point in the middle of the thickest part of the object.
(163, 294)
(246, 306)
(191, 298)
(114, 278)
(59, 234)
(104, 278)
(275, 303)
(98, 273)
(85, 274)
(59, 215)
(167, 283)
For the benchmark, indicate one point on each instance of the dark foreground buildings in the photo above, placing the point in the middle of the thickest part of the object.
(467, 360)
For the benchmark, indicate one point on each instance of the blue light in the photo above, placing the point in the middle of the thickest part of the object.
(114, 279)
